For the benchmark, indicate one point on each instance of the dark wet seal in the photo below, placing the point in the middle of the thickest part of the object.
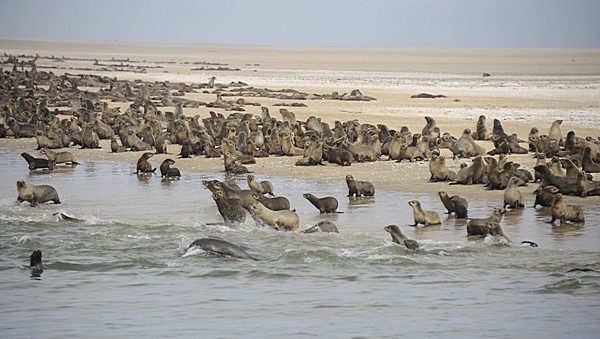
(530, 243)
(580, 270)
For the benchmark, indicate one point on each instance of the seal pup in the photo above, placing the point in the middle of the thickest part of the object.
(143, 166)
(512, 196)
(279, 220)
(114, 145)
(262, 187)
(275, 203)
(323, 226)
(166, 171)
(35, 194)
(221, 247)
(324, 205)
(449, 203)
(460, 207)
(35, 163)
(359, 188)
(565, 212)
(423, 217)
(60, 157)
(396, 234)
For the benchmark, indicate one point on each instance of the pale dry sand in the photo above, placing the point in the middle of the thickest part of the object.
(527, 88)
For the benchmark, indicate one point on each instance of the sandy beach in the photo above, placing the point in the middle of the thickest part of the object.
(526, 88)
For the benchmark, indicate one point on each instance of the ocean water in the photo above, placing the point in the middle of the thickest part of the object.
(125, 269)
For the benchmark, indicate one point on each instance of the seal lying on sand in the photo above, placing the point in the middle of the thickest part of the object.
(221, 247)
(36, 194)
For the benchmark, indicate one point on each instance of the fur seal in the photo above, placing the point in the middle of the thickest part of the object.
(275, 203)
(555, 132)
(35, 261)
(472, 174)
(230, 192)
(36, 194)
(512, 196)
(460, 207)
(439, 170)
(115, 147)
(449, 203)
(396, 234)
(143, 166)
(323, 226)
(545, 196)
(166, 171)
(586, 187)
(481, 130)
(279, 220)
(35, 163)
(221, 247)
(89, 138)
(324, 205)
(358, 188)
(565, 212)
(588, 164)
(487, 228)
(496, 217)
(60, 157)
(261, 187)
(230, 209)
(564, 184)
(424, 217)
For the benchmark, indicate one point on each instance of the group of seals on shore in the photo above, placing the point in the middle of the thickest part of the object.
(247, 136)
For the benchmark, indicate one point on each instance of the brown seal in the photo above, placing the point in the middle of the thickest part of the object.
(336, 155)
(496, 217)
(279, 220)
(439, 170)
(545, 196)
(396, 234)
(89, 138)
(323, 226)
(166, 171)
(481, 130)
(60, 157)
(586, 187)
(115, 147)
(230, 209)
(358, 188)
(512, 196)
(35, 163)
(35, 194)
(565, 212)
(485, 229)
(588, 164)
(449, 203)
(324, 205)
(143, 166)
(424, 217)
(230, 192)
(472, 174)
(262, 187)
(564, 184)
(460, 207)
(555, 132)
(275, 203)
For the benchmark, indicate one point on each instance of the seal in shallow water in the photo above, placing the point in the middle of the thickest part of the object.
(221, 247)
(324, 205)
(35, 163)
(36, 194)
(358, 188)
(424, 217)
(284, 219)
(565, 212)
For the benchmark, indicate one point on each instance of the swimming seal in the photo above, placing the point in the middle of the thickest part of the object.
(324, 205)
(221, 247)
(35, 163)
(35, 261)
(323, 226)
(36, 194)
(488, 228)
(359, 188)
(496, 217)
(396, 234)
(424, 217)
(279, 220)
(230, 209)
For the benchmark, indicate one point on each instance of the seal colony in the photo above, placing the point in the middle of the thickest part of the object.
(243, 138)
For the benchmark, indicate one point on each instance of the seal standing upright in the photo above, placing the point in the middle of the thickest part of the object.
(358, 188)
(424, 217)
(324, 205)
